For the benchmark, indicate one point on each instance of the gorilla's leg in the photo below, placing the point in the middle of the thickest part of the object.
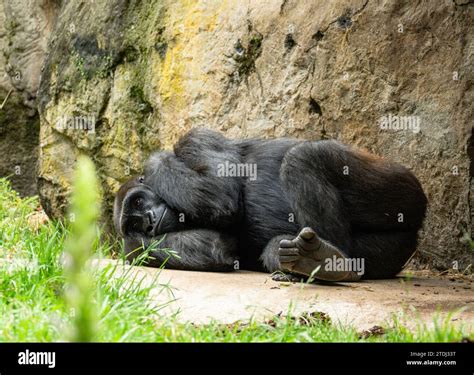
(352, 201)
(307, 178)
(304, 256)
(269, 255)
(196, 250)
(309, 255)
(384, 253)
(271, 261)
(379, 255)
(318, 207)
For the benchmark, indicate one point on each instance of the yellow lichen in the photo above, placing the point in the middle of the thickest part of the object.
(185, 20)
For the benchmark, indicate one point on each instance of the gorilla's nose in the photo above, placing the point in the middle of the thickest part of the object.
(151, 216)
(150, 222)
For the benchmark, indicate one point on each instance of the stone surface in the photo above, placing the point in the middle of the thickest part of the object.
(146, 72)
(229, 297)
(24, 28)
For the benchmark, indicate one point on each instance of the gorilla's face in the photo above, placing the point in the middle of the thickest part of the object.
(140, 213)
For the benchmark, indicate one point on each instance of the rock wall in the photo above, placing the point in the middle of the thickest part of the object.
(123, 78)
(24, 28)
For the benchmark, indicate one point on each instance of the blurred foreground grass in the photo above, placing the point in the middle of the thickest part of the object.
(41, 301)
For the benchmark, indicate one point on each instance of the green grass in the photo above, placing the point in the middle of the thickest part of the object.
(33, 306)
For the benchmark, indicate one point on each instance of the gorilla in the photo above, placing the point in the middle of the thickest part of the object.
(308, 206)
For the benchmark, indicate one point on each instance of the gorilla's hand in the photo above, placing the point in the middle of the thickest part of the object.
(188, 180)
(199, 250)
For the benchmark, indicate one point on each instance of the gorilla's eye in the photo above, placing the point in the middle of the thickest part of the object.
(138, 203)
(141, 179)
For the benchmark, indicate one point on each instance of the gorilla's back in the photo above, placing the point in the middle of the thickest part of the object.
(267, 212)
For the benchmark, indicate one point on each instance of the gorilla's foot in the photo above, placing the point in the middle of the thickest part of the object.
(287, 277)
(309, 255)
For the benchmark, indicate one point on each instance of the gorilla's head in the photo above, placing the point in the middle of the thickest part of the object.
(140, 213)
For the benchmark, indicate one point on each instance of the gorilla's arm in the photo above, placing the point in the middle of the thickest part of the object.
(188, 179)
(197, 250)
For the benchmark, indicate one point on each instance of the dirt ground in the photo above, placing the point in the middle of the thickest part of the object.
(417, 297)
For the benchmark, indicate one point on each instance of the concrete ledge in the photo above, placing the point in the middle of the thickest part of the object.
(200, 297)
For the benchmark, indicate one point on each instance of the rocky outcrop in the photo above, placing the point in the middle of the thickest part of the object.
(123, 78)
(24, 29)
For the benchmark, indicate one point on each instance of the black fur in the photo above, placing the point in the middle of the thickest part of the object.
(351, 199)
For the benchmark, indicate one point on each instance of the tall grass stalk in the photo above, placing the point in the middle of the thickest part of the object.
(80, 293)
